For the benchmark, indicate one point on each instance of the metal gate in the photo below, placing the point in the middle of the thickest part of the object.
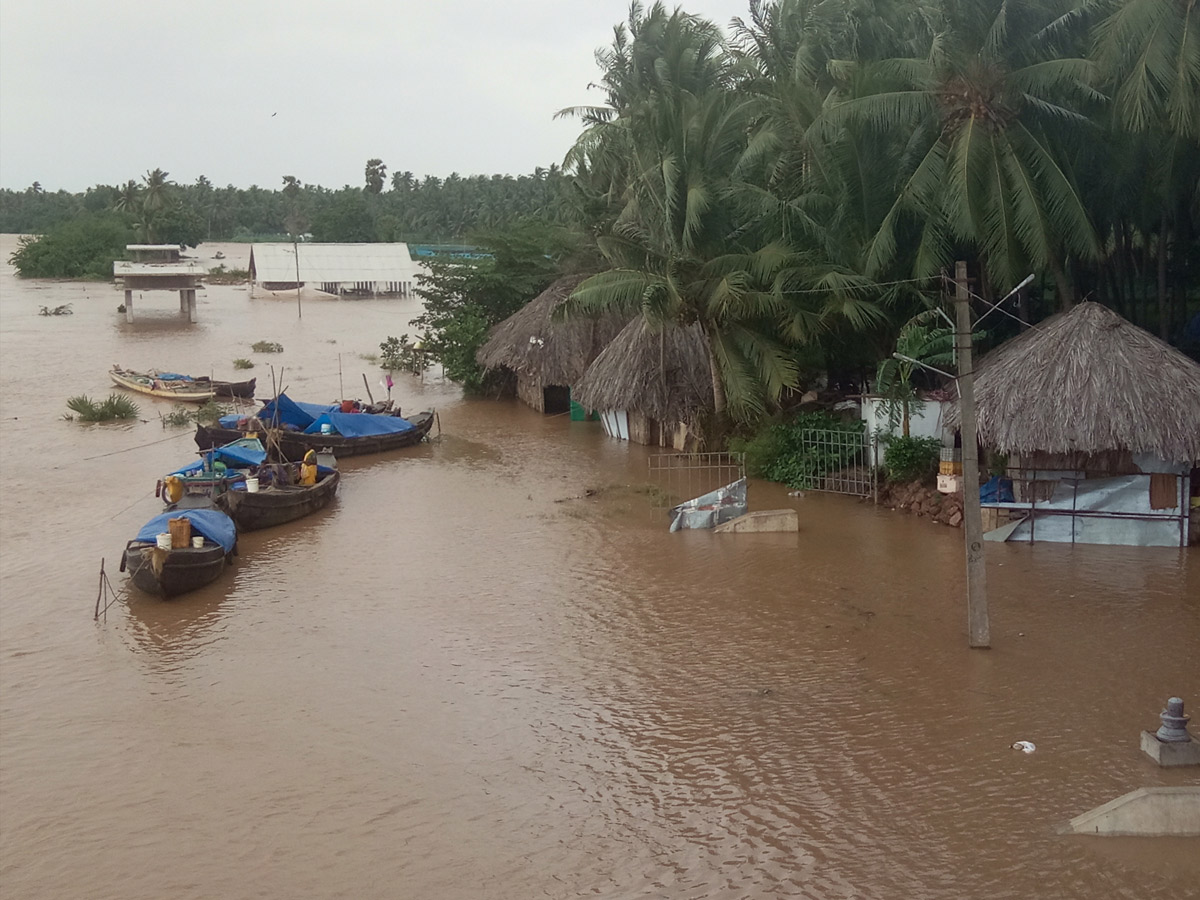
(682, 476)
(841, 462)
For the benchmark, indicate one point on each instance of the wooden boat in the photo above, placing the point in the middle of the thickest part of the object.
(277, 503)
(150, 383)
(242, 389)
(173, 386)
(294, 444)
(276, 499)
(169, 573)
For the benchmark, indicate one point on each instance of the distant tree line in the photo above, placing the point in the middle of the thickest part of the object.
(426, 210)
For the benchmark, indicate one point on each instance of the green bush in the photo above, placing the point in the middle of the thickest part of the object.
(266, 347)
(242, 363)
(787, 452)
(397, 354)
(83, 247)
(912, 458)
(115, 407)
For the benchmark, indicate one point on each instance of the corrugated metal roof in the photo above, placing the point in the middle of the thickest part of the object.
(332, 263)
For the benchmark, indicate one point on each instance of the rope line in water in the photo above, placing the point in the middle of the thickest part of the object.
(173, 437)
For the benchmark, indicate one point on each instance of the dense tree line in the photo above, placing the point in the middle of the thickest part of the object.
(805, 183)
(428, 209)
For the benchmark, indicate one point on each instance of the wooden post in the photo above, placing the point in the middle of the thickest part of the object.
(979, 633)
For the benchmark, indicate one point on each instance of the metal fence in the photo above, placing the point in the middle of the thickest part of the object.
(682, 476)
(841, 462)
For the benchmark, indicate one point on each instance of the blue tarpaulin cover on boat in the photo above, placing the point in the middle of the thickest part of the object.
(360, 424)
(213, 524)
(174, 376)
(291, 412)
(232, 455)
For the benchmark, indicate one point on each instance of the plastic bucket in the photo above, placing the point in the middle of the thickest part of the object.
(164, 540)
(252, 484)
(198, 542)
(181, 532)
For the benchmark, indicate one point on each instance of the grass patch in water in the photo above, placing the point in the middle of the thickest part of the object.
(266, 347)
(242, 363)
(114, 407)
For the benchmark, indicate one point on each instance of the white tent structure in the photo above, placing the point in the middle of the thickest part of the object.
(342, 269)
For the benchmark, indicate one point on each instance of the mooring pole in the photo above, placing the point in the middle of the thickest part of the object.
(979, 632)
(296, 252)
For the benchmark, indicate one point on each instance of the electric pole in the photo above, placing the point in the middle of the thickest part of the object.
(979, 632)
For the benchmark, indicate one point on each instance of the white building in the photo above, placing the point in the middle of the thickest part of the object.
(341, 269)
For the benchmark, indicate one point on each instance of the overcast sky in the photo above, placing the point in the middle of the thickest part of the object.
(100, 91)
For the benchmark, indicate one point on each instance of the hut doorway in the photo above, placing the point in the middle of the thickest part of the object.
(556, 398)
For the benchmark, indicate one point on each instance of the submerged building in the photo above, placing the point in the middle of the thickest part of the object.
(1098, 425)
(345, 270)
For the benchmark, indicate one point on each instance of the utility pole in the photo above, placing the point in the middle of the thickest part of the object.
(979, 632)
(296, 252)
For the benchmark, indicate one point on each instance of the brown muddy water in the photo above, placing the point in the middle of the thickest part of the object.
(469, 679)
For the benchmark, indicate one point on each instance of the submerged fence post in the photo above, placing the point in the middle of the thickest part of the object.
(978, 629)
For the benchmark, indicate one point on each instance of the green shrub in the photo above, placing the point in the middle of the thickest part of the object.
(242, 363)
(179, 417)
(398, 355)
(83, 247)
(266, 347)
(115, 407)
(790, 452)
(912, 458)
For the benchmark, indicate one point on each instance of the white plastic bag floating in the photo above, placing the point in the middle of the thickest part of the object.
(1024, 746)
(711, 509)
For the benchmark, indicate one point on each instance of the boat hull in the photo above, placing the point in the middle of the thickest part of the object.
(276, 505)
(169, 573)
(294, 444)
(183, 394)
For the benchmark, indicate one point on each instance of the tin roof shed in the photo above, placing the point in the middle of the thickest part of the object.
(332, 264)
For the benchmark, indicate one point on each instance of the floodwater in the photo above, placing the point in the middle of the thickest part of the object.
(469, 678)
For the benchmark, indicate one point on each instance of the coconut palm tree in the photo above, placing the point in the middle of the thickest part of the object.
(128, 198)
(975, 125)
(1149, 50)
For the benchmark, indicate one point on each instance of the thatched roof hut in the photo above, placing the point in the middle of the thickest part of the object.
(661, 377)
(548, 357)
(1089, 382)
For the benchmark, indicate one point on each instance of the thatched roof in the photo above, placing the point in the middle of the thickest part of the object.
(1088, 381)
(532, 345)
(663, 374)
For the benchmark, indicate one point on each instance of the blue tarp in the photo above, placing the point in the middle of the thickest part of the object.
(233, 456)
(214, 525)
(360, 424)
(173, 376)
(291, 412)
(996, 490)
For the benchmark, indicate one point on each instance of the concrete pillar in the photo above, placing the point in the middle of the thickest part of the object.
(129, 307)
(191, 305)
(183, 301)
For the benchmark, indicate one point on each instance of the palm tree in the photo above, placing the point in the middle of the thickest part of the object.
(127, 199)
(376, 175)
(975, 124)
(1149, 51)
(157, 190)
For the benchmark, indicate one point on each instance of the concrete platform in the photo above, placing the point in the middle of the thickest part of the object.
(1169, 753)
(1146, 812)
(761, 521)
